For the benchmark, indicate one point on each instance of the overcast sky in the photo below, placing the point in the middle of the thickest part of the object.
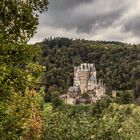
(111, 20)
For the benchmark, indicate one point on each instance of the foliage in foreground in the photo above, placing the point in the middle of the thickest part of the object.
(115, 122)
(20, 104)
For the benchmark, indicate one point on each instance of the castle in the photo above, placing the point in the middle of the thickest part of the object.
(85, 81)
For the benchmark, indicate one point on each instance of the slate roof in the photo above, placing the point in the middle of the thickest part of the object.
(92, 78)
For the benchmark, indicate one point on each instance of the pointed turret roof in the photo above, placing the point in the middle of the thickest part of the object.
(92, 78)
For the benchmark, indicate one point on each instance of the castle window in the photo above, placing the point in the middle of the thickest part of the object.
(83, 67)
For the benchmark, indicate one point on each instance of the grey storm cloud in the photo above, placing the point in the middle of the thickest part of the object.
(133, 25)
(72, 14)
(92, 19)
(66, 4)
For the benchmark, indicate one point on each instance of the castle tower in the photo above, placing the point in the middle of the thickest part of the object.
(85, 80)
(93, 70)
(82, 74)
(76, 78)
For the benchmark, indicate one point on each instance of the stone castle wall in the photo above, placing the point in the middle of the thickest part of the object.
(85, 81)
(82, 76)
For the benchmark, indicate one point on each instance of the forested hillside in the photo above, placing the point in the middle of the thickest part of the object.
(117, 64)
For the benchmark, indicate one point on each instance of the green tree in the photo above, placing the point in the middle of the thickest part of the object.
(19, 18)
(19, 69)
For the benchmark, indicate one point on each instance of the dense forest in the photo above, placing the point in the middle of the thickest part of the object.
(117, 64)
(33, 76)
